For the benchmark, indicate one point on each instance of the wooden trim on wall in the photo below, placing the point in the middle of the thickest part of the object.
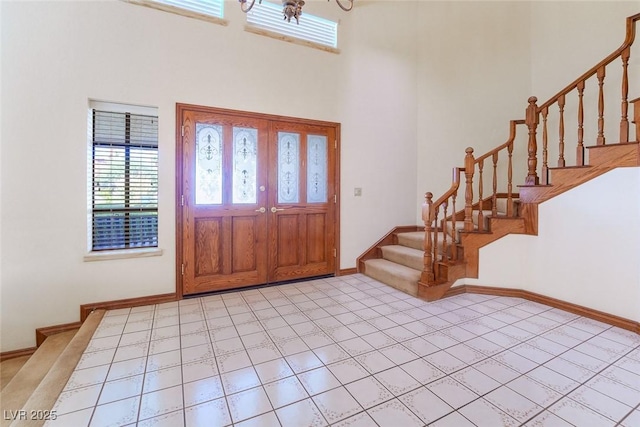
(44, 333)
(6, 355)
(591, 313)
(347, 271)
(86, 309)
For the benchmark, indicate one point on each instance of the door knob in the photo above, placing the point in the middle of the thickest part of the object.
(274, 209)
(261, 210)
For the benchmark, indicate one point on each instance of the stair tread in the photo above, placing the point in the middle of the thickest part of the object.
(44, 394)
(616, 144)
(10, 367)
(403, 249)
(47, 392)
(402, 269)
(570, 167)
(395, 275)
(17, 391)
(404, 255)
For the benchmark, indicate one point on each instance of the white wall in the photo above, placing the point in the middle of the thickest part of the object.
(58, 55)
(586, 251)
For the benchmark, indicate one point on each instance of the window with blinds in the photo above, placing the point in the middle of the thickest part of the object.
(208, 10)
(205, 7)
(311, 28)
(124, 180)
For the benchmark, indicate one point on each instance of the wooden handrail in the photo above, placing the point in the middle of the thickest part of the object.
(599, 71)
(455, 184)
(628, 41)
(431, 209)
(512, 137)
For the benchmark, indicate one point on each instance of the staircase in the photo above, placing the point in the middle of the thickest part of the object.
(34, 388)
(455, 228)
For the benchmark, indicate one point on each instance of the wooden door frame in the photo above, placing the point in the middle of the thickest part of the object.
(180, 164)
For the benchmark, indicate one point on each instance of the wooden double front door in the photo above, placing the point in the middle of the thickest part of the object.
(258, 199)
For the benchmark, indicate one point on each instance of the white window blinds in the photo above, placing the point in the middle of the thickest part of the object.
(205, 7)
(124, 180)
(311, 28)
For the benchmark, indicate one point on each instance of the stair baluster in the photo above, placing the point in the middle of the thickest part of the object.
(494, 195)
(545, 150)
(580, 148)
(624, 121)
(480, 199)
(561, 103)
(600, 140)
(469, 166)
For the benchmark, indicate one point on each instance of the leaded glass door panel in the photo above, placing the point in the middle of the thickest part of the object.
(302, 201)
(224, 214)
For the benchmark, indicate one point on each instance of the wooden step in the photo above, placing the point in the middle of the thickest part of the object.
(625, 154)
(38, 384)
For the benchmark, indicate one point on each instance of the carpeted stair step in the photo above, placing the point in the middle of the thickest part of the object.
(9, 368)
(19, 389)
(395, 275)
(404, 255)
(38, 384)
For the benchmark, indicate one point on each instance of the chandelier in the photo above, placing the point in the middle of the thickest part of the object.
(291, 8)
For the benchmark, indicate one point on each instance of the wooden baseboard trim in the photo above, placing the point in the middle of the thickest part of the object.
(347, 271)
(600, 316)
(6, 355)
(86, 309)
(43, 333)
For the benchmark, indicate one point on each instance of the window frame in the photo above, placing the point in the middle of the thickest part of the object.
(270, 28)
(128, 251)
(182, 11)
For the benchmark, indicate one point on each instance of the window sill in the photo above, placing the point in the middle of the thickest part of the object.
(122, 254)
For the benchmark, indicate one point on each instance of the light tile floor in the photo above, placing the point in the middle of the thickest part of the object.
(351, 351)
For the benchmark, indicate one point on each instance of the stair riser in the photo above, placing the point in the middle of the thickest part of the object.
(412, 261)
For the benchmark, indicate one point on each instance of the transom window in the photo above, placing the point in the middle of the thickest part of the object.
(312, 29)
(208, 10)
(124, 178)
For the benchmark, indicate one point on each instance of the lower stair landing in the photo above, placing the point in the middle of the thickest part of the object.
(36, 386)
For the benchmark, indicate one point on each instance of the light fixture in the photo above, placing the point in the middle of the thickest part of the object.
(291, 8)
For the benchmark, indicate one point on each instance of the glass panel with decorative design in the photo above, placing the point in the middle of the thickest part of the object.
(208, 164)
(245, 165)
(316, 169)
(288, 167)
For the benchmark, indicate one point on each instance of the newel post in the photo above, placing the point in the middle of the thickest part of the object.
(427, 216)
(532, 147)
(469, 166)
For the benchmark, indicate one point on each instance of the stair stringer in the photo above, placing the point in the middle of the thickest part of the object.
(471, 242)
(608, 157)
